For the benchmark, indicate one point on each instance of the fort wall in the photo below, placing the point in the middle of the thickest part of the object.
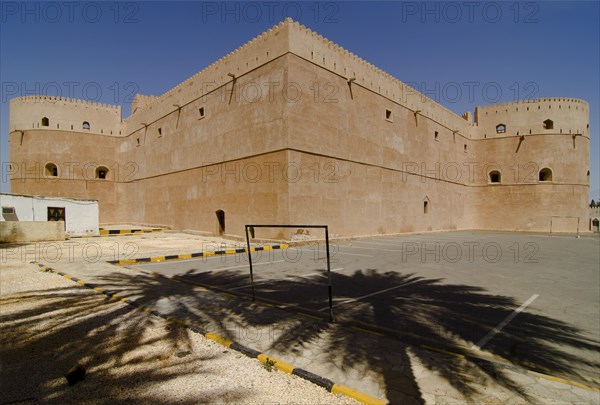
(291, 127)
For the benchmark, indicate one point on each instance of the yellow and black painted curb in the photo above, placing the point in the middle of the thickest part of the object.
(207, 253)
(329, 385)
(114, 232)
(120, 232)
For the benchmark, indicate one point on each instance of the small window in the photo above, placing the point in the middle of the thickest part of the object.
(465, 148)
(101, 172)
(500, 129)
(495, 176)
(8, 210)
(201, 112)
(51, 170)
(435, 135)
(45, 122)
(86, 125)
(548, 124)
(545, 174)
(159, 132)
(388, 115)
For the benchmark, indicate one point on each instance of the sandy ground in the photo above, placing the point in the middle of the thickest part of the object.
(49, 324)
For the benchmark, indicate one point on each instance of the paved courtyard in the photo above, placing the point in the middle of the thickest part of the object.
(428, 318)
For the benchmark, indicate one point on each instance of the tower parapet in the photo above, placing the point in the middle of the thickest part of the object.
(64, 114)
(542, 116)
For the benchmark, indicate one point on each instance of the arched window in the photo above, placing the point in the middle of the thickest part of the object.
(86, 125)
(500, 128)
(548, 124)
(45, 122)
(101, 172)
(51, 170)
(426, 205)
(495, 176)
(545, 174)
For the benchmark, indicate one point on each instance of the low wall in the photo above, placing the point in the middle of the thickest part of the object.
(31, 231)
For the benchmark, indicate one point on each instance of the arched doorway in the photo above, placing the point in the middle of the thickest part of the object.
(220, 222)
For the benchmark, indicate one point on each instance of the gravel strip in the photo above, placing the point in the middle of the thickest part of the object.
(49, 324)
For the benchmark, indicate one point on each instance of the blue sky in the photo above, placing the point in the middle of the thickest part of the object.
(107, 51)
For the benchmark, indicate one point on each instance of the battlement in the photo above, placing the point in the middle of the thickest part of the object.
(65, 114)
(321, 51)
(66, 101)
(291, 36)
(567, 101)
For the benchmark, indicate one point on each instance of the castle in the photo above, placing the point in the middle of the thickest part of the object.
(291, 128)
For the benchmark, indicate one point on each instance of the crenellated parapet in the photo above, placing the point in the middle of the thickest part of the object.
(291, 37)
(542, 116)
(64, 114)
(325, 53)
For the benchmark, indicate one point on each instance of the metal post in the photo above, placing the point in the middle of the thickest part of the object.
(250, 262)
(329, 274)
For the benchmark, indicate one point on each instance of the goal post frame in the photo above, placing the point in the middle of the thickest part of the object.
(326, 227)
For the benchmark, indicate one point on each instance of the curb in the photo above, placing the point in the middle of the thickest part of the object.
(182, 256)
(329, 385)
(107, 232)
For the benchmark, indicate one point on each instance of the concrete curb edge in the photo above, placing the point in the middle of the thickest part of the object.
(329, 385)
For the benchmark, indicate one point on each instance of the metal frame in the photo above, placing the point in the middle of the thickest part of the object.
(326, 227)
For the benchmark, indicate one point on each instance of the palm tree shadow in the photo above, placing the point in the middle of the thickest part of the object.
(416, 311)
(411, 311)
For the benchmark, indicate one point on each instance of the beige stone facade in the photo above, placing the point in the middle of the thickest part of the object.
(291, 128)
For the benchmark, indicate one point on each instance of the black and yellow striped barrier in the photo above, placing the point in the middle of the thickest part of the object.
(208, 253)
(115, 232)
(329, 385)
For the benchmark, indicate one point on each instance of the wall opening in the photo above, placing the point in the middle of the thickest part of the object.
(435, 135)
(201, 112)
(548, 124)
(101, 172)
(495, 176)
(159, 132)
(51, 170)
(220, 222)
(545, 174)
(388, 115)
(58, 214)
(500, 128)
(85, 125)
(45, 122)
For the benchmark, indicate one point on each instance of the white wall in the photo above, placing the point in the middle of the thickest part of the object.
(81, 215)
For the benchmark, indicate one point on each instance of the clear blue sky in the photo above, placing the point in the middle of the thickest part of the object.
(105, 51)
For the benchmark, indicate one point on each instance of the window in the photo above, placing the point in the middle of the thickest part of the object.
(45, 122)
(500, 128)
(465, 148)
(548, 124)
(101, 172)
(86, 125)
(388, 115)
(545, 174)
(8, 210)
(51, 170)
(435, 135)
(495, 176)
(201, 112)
(159, 132)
